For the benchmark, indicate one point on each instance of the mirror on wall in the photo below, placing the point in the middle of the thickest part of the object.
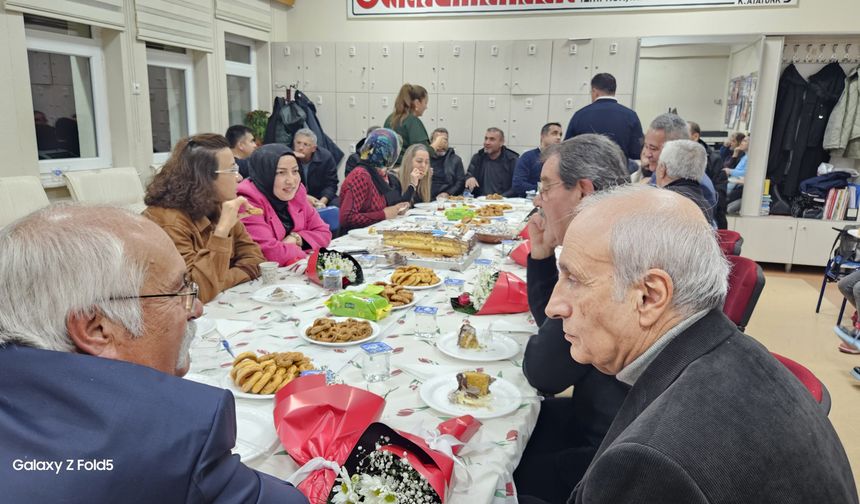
(709, 80)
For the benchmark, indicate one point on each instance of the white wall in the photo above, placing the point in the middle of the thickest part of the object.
(323, 20)
(687, 78)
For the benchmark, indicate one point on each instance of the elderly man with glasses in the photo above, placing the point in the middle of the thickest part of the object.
(97, 320)
(568, 430)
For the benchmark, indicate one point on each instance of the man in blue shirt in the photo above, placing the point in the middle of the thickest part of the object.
(608, 117)
(527, 171)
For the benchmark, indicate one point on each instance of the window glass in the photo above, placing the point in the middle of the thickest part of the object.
(168, 106)
(238, 98)
(240, 53)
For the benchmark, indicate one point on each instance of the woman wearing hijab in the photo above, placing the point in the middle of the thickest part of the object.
(289, 226)
(369, 194)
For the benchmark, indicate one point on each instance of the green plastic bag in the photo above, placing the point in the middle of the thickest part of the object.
(367, 304)
(454, 214)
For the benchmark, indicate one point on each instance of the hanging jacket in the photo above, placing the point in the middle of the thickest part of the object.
(286, 119)
(313, 123)
(789, 101)
(842, 136)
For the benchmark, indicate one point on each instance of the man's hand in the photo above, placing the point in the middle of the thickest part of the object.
(472, 183)
(541, 237)
(439, 143)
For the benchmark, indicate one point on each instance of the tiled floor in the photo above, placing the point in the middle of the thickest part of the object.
(785, 321)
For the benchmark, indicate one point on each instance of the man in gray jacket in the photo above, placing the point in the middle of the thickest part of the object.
(711, 416)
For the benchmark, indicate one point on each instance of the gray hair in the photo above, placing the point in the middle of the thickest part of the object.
(672, 125)
(54, 264)
(591, 157)
(684, 159)
(687, 249)
(494, 129)
(307, 133)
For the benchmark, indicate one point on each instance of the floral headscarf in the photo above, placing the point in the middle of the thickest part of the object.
(381, 148)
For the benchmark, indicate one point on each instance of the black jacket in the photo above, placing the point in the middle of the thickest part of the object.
(548, 366)
(478, 170)
(449, 167)
(322, 175)
(692, 190)
(289, 117)
(720, 179)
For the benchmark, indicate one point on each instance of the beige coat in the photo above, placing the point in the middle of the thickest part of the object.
(842, 136)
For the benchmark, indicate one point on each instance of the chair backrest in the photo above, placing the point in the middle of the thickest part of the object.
(809, 380)
(746, 281)
(113, 186)
(20, 196)
(730, 242)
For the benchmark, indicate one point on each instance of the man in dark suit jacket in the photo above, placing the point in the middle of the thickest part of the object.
(711, 416)
(318, 169)
(608, 117)
(568, 430)
(98, 319)
(681, 166)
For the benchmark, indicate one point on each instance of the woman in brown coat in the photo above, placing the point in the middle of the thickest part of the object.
(193, 198)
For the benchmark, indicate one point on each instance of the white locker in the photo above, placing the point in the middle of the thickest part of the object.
(465, 151)
(319, 61)
(348, 147)
(386, 67)
(421, 64)
(528, 115)
(454, 113)
(571, 67)
(457, 67)
(532, 60)
(617, 56)
(626, 100)
(287, 64)
(326, 104)
(491, 111)
(493, 66)
(352, 121)
(381, 106)
(428, 118)
(562, 107)
(353, 72)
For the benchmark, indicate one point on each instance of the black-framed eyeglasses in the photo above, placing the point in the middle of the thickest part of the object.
(188, 291)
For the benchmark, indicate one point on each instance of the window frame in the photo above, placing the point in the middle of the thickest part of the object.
(90, 48)
(248, 70)
(178, 61)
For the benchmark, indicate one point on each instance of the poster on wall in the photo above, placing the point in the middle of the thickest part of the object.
(741, 97)
(365, 8)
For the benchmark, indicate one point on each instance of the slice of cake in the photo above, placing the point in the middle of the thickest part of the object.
(431, 242)
(473, 389)
(468, 337)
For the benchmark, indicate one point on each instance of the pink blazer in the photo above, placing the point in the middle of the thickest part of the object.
(268, 230)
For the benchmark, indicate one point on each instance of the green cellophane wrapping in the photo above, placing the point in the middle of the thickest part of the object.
(367, 304)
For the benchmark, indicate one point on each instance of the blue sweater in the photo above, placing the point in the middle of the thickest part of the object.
(526, 173)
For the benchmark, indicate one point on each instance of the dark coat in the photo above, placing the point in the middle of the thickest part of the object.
(716, 419)
(322, 178)
(608, 117)
(692, 190)
(715, 172)
(477, 169)
(168, 439)
(450, 166)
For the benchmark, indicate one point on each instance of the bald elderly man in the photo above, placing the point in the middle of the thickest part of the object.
(711, 416)
(96, 324)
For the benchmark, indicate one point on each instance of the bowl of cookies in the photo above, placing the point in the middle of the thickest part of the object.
(339, 331)
(415, 278)
(261, 376)
(397, 295)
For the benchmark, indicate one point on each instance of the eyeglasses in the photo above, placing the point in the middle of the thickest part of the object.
(188, 291)
(234, 170)
(544, 188)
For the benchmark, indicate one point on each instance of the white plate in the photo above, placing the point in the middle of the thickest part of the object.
(502, 348)
(430, 205)
(403, 307)
(363, 234)
(227, 383)
(373, 334)
(304, 293)
(204, 326)
(417, 288)
(255, 434)
(506, 398)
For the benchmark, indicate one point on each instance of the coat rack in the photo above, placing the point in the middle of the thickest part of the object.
(820, 53)
(288, 93)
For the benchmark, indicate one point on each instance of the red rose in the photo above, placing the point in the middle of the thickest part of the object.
(464, 299)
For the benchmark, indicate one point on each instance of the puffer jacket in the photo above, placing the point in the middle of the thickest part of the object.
(450, 167)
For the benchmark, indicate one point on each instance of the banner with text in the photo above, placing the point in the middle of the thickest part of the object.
(361, 8)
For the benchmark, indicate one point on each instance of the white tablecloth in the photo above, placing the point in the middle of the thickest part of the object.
(491, 455)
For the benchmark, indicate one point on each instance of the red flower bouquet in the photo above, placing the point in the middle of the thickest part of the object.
(494, 293)
(324, 259)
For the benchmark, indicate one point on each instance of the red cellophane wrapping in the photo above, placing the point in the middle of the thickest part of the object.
(520, 255)
(436, 467)
(524, 234)
(311, 271)
(313, 419)
(509, 295)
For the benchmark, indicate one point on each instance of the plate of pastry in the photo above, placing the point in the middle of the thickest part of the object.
(471, 393)
(415, 278)
(339, 331)
(260, 376)
(468, 347)
(255, 434)
(397, 295)
(286, 294)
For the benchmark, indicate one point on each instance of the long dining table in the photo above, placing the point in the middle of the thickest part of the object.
(484, 472)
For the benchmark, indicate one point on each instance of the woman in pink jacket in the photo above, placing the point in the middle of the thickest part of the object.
(289, 227)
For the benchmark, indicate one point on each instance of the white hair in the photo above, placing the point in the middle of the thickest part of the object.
(657, 237)
(64, 260)
(684, 159)
(307, 133)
